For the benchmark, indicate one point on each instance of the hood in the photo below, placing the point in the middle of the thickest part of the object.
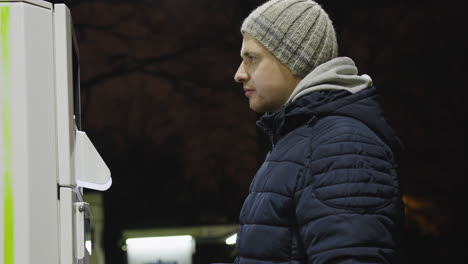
(338, 74)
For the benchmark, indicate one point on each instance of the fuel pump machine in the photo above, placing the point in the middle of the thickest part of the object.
(45, 158)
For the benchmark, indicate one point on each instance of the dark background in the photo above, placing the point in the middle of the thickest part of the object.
(160, 104)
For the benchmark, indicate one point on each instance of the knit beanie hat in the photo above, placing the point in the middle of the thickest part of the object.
(297, 32)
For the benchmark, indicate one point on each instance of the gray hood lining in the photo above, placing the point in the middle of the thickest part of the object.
(337, 74)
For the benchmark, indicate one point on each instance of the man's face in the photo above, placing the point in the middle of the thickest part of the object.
(267, 82)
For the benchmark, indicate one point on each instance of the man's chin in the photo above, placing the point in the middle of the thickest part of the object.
(257, 108)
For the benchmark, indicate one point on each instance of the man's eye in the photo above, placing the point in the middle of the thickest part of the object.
(251, 58)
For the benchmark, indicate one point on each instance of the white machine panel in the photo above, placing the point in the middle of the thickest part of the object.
(80, 165)
(38, 3)
(28, 165)
(73, 233)
(64, 80)
(45, 160)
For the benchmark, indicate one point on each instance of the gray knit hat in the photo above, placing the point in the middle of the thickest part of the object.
(297, 32)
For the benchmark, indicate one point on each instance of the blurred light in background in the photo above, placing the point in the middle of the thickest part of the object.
(171, 249)
(151, 242)
(231, 240)
(89, 246)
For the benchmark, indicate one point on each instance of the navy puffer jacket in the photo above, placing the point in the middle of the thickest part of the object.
(328, 190)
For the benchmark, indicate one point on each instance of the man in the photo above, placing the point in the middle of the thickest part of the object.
(328, 190)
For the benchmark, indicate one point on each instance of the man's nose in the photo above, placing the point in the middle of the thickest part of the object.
(241, 75)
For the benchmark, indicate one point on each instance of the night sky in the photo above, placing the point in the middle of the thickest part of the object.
(160, 104)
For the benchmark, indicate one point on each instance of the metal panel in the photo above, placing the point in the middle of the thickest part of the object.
(64, 95)
(79, 162)
(68, 197)
(30, 100)
(38, 3)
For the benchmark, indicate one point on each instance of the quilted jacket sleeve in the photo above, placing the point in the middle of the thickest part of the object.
(348, 205)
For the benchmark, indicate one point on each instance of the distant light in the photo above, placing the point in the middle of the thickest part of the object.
(151, 242)
(89, 246)
(171, 249)
(231, 240)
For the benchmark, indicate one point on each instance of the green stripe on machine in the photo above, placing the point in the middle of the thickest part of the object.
(6, 126)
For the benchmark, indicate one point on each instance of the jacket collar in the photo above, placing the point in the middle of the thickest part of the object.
(299, 112)
(308, 109)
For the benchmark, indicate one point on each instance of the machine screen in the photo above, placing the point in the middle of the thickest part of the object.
(76, 82)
